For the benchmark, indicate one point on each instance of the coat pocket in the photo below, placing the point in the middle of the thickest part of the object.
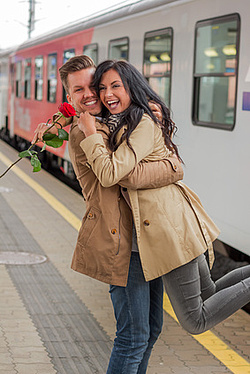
(89, 223)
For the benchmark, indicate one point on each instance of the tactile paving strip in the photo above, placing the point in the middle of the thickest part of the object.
(76, 343)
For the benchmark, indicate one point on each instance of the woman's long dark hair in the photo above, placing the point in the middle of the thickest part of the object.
(140, 94)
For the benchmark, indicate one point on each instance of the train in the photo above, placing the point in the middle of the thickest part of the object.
(196, 56)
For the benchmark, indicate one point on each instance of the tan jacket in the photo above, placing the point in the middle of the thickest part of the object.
(171, 224)
(103, 246)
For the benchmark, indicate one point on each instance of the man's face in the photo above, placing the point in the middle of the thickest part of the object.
(81, 96)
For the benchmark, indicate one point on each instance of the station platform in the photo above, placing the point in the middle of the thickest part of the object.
(56, 321)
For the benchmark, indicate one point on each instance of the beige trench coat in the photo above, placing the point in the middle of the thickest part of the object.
(171, 224)
(103, 246)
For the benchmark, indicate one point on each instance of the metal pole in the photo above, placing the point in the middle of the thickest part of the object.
(31, 22)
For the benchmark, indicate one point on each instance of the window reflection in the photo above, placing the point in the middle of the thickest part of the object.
(118, 49)
(18, 78)
(52, 77)
(216, 47)
(66, 56)
(215, 72)
(157, 61)
(39, 78)
(91, 50)
(217, 98)
(27, 78)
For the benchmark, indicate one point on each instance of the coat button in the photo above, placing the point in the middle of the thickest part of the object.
(146, 222)
(113, 231)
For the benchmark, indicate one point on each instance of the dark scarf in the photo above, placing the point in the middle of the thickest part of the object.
(112, 121)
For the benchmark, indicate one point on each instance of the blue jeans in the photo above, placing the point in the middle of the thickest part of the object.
(198, 302)
(138, 309)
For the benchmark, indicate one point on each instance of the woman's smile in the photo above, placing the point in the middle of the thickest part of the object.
(112, 104)
(113, 93)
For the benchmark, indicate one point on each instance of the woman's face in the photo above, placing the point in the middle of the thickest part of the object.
(112, 92)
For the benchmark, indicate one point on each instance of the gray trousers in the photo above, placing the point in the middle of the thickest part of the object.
(198, 302)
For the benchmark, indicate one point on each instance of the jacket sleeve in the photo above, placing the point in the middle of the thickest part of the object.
(111, 168)
(153, 174)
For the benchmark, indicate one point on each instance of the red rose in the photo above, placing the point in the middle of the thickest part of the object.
(67, 110)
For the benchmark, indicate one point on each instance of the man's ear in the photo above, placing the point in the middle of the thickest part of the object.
(69, 99)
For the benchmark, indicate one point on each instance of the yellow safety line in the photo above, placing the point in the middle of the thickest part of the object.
(50, 199)
(210, 341)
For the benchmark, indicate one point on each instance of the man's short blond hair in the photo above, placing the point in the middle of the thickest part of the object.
(74, 64)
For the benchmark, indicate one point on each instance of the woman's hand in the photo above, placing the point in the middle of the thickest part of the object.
(156, 109)
(86, 124)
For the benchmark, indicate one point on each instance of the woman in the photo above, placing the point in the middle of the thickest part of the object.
(171, 219)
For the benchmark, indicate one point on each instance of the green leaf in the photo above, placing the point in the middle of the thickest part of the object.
(52, 140)
(49, 136)
(25, 154)
(37, 168)
(62, 134)
(35, 163)
(34, 160)
(55, 142)
(43, 148)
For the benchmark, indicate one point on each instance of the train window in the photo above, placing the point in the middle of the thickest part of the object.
(39, 78)
(52, 77)
(119, 49)
(18, 78)
(157, 61)
(91, 50)
(215, 72)
(66, 56)
(27, 78)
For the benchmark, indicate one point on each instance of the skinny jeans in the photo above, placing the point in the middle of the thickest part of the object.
(138, 310)
(198, 302)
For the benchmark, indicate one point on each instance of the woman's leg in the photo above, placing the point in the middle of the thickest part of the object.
(199, 303)
(132, 310)
(209, 287)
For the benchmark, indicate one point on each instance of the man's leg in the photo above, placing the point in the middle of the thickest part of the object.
(155, 320)
(132, 310)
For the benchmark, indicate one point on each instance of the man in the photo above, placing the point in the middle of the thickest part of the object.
(104, 243)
